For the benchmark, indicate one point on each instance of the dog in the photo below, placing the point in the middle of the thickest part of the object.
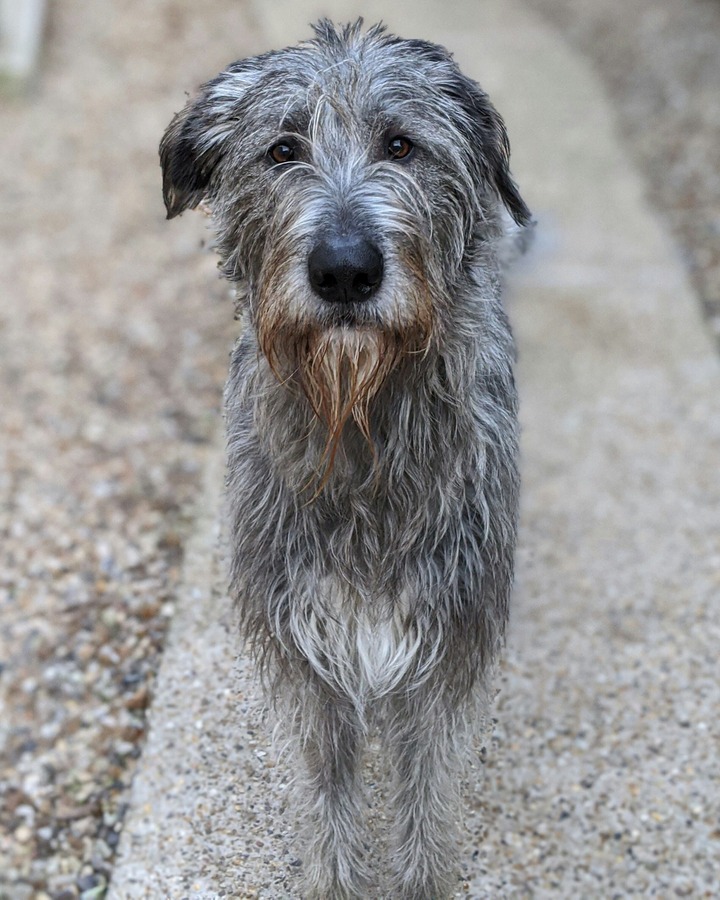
(360, 189)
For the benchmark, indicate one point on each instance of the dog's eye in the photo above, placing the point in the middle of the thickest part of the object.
(400, 147)
(281, 152)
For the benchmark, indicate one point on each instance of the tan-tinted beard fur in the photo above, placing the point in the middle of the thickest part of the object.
(340, 370)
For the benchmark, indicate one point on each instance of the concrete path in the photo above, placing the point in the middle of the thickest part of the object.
(602, 778)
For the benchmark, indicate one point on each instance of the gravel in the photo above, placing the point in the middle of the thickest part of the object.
(113, 349)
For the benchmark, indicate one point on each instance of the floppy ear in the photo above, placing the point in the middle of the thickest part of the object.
(488, 152)
(488, 132)
(197, 139)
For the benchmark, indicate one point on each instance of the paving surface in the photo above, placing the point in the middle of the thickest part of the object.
(659, 63)
(601, 779)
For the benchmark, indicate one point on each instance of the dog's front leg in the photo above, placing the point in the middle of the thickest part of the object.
(423, 738)
(332, 741)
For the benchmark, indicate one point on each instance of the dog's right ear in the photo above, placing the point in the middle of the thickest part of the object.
(198, 138)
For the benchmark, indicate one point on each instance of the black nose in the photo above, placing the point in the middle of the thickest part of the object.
(345, 269)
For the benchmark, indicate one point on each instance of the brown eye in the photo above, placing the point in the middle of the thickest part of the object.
(400, 148)
(281, 153)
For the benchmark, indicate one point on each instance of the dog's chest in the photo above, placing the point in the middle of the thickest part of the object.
(369, 647)
(384, 650)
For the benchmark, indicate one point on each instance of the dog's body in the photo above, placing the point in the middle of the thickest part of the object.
(356, 183)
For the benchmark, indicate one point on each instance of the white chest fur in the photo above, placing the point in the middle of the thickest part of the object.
(365, 647)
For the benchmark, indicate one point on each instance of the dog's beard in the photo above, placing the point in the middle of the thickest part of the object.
(340, 370)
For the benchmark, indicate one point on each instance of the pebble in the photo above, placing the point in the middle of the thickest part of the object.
(23, 834)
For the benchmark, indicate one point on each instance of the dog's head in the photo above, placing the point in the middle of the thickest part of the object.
(352, 179)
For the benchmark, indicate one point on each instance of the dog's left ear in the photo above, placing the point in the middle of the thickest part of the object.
(492, 146)
(197, 139)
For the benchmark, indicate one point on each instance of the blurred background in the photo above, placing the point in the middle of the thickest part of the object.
(114, 336)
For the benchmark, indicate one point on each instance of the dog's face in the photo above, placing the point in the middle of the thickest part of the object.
(350, 178)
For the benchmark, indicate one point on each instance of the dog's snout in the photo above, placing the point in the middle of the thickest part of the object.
(345, 269)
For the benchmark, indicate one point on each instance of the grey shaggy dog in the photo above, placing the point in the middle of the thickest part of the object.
(357, 183)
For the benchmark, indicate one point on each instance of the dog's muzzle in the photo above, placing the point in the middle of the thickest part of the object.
(345, 268)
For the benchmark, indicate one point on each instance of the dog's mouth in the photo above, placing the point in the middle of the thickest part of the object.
(349, 316)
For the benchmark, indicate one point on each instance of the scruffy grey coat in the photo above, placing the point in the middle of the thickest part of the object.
(372, 447)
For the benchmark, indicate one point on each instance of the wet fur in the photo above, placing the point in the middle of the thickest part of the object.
(372, 452)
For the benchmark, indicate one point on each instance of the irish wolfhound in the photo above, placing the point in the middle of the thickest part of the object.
(356, 183)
